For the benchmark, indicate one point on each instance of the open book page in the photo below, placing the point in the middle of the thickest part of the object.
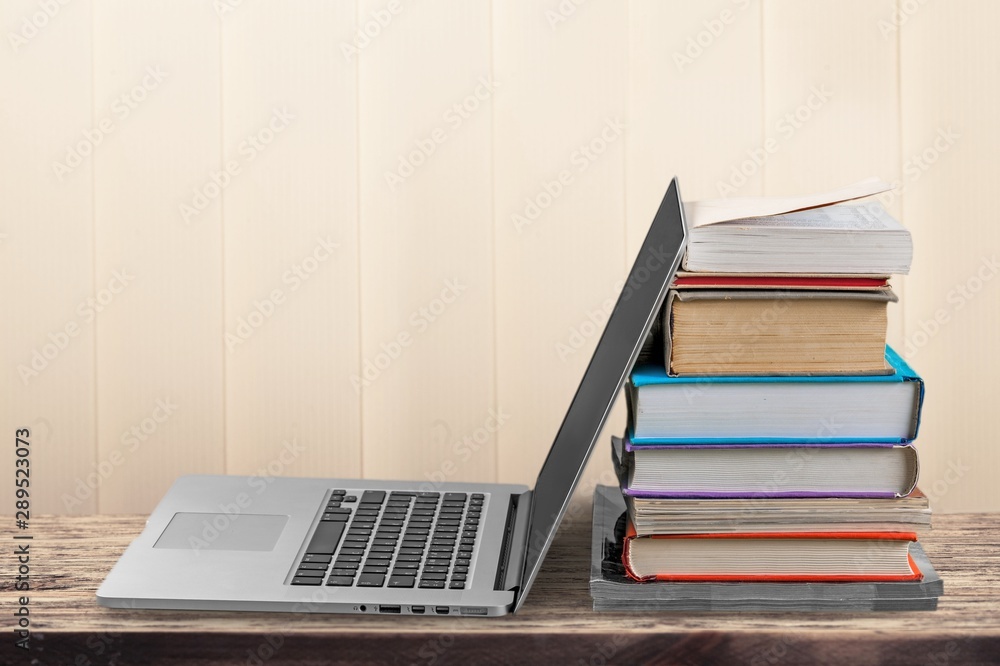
(869, 216)
(712, 211)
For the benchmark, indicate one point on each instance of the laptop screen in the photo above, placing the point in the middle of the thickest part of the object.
(629, 324)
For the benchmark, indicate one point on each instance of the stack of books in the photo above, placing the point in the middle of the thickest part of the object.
(769, 449)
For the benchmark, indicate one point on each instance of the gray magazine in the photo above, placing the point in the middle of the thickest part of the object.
(611, 589)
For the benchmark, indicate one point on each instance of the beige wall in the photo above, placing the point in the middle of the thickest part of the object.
(198, 327)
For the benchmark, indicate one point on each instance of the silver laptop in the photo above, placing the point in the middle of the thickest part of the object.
(387, 547)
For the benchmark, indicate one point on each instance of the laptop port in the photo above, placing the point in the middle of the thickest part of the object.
(441, 610)
(388, 609)
(417, 610)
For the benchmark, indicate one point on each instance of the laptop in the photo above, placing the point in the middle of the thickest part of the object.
(389, 547)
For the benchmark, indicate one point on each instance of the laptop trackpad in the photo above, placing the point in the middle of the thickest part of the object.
(220, 531)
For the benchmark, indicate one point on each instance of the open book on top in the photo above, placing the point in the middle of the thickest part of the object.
(811, 234)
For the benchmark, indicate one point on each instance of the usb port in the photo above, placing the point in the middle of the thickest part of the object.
(417, 610)
(388, 609)
(441, 610)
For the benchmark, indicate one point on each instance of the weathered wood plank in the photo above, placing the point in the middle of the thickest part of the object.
(72, 555)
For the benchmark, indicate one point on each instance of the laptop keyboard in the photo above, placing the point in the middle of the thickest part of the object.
(393, 539)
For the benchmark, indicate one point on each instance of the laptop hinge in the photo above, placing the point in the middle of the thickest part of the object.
(515, 540)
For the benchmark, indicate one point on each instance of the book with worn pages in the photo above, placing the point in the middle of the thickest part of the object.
(766, 408)
(746, 471)
(613, 590)
(748, 331)
(816, 233)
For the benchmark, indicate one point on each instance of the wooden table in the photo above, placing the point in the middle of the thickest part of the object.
(70, 557)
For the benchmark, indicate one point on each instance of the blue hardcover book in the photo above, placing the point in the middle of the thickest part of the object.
(765, 410)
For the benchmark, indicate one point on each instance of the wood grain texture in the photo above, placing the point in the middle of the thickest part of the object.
(950, 142)
(159, 343)
(289, 110)
(427, 341)
(559, 212)
(47, 251)
(556, 625)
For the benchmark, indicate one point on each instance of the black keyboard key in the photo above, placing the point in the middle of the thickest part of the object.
(461, 570)
(429, 494)
(478, 496)
(344, 556)
(351, 551)
(388, 522)
(435, 569)
(407, 565)
(315, 557)
(395, 511)
(342, 510)
(384, 542)
(432, 584)
(333, 505)
(408, 557)
(335, 518)
(372, 569)
(326, 538)
(431, 575)
(388, 529)
(310, 573)
(373, 497)
(368, 513)
(353, 539)
(371, 580)
(421, 519)
(382, 549)
(340, 564)
(343, 572)
(457, 585)
(338, 491)
(350, 498)
(402, 493)
(302, 580)
(459, 577)
(401, 581)
(317, 566)
(455, 496)
(376, 555)
(340, 581)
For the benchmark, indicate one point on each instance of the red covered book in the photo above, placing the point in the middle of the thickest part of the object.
(771, 556)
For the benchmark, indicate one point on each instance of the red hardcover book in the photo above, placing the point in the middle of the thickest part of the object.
(771, 556)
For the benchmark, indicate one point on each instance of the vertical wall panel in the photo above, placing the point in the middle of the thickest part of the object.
(559, 206)
(46, 250)
(159, 343)
(831, 102)
(950, 66)
(427, 340)
(694, 104)
(291, 240)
